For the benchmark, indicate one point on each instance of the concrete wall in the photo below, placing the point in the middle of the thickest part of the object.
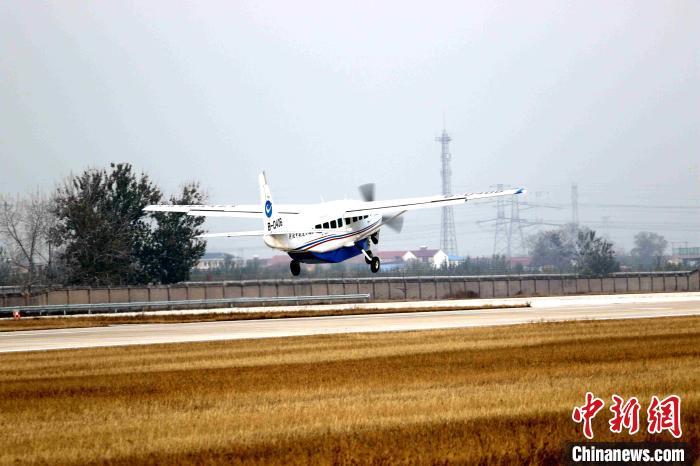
(380, 289)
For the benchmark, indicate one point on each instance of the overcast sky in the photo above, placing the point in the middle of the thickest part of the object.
(326, 96)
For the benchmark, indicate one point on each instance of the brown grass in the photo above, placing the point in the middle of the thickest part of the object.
(487, 395)
(45, 323)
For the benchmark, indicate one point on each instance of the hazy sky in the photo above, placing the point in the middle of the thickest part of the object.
(328, 95)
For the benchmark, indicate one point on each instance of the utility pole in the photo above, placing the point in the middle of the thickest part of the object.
(448, 237)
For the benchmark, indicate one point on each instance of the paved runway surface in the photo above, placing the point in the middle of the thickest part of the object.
(142, 334)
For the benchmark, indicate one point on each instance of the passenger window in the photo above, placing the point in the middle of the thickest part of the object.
(318, 227)
(333, 224)
(340, 222)
(347, 220)
(365, 216)
(325, 225)
(354, 219)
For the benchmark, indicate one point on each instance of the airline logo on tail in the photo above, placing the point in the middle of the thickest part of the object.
(268, 209)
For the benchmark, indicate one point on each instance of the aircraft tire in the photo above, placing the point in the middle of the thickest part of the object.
(374, 266)
(295, 267)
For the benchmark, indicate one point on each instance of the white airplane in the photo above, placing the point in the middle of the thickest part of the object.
(327, 232)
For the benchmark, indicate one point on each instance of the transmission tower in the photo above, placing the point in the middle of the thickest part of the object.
(448, 237)
(516, 239)
(574, 204)
(509, 235)
(501, 238)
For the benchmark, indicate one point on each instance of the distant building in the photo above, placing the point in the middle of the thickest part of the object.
(686, 256)
(456, 260)
(523, 261)
(217, 260)
(435, 257)
(211, 261)
(390, 259)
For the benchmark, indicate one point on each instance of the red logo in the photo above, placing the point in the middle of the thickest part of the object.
(661, 415)
(587, 412)
(665, 415)
(624, 415)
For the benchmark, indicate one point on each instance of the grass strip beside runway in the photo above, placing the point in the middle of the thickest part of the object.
(103, 320)
(499, 394)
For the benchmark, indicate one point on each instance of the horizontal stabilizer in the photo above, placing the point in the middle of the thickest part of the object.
(232, 234)
(225, 210)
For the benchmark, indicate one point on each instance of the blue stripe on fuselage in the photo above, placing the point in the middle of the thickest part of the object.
(334, 256)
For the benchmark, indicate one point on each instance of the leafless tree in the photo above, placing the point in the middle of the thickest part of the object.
(25, 225)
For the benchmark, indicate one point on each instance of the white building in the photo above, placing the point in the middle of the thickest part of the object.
(216, 260)
(435, 257)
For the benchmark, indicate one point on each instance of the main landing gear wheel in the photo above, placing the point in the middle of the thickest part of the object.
(295, 267)
(374, 265)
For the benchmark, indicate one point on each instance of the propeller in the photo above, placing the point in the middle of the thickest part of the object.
(367, 192)
(395, 222)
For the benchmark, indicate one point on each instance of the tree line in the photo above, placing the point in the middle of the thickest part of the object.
(574, 248)
(92, 231)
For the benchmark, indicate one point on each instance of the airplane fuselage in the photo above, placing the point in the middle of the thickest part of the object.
(326, 239)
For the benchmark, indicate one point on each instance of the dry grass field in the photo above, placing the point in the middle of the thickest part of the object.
(495, 395)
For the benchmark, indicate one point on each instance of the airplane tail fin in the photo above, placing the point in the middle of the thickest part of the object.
(271, 221)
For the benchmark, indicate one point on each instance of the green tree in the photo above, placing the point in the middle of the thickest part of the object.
(550, 250)
(173, 249)
(595, 254)
(103, 234)
(649, 249)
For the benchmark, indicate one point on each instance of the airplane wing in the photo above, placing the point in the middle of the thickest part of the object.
(226, 210)
(415, 203)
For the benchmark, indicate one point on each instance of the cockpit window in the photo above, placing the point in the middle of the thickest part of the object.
(340, 222)
(325, 225)
(318, 227)
(334, 224)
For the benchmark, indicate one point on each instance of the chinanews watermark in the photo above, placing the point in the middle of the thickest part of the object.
(663, 415)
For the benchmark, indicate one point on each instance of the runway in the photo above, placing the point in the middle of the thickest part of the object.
(144, 334)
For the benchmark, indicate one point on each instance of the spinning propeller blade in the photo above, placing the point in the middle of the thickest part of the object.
(395, 223)
(367, 192)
